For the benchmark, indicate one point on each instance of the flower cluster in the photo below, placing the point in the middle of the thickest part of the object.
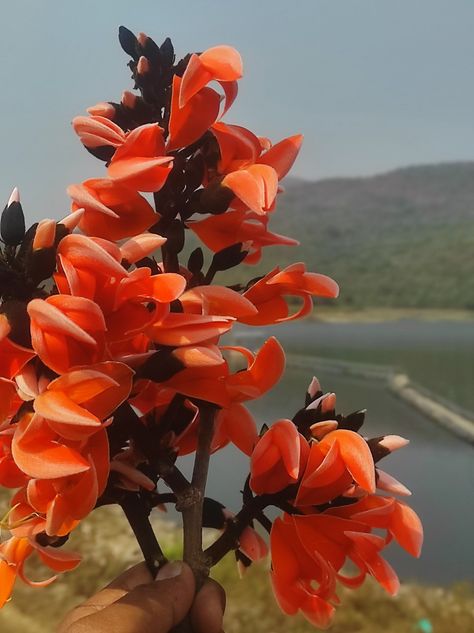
(112, 365)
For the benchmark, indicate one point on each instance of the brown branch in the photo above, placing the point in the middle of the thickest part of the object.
(138, 518)
(191, 503)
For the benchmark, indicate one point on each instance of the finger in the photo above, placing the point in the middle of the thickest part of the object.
(156, 607)
(120, 586)
(208, 608)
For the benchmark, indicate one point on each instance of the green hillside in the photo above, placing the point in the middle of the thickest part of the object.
(401, 239)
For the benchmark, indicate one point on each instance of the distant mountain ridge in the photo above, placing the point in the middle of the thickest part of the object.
(404, 238)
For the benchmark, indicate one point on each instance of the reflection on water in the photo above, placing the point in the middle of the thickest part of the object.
(436, 466)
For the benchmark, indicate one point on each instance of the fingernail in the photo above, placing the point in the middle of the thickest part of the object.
(170, 570)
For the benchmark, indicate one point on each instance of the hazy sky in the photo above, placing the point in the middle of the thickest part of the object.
(372, 84)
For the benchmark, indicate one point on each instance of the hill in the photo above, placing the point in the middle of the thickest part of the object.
(399, 239)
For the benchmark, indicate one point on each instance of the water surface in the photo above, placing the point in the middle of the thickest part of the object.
(437, 466)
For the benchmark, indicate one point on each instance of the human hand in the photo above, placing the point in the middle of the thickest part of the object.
(135, 603)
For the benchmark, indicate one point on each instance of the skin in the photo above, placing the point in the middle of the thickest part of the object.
(135, 603)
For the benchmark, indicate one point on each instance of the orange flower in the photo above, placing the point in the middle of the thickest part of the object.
(308, 553)
(339, 459)
(256, 186)
(64, 502)
(142, 303)
(10, 475)
(111, 210)
(98, 131)
(278, 458)
(301, 578)
(15, 552)
(75, 403)
(178, 329)
(219, 231)
(188, 122)
(219, 63)
(141, 162)
(13, 356)
(40, 454)
(217, 300)
(89, 267)
(386, 513)
(237, 425)
(268, 293)
(9, 402)
(238, 147)
(67, 331)
(251, 175)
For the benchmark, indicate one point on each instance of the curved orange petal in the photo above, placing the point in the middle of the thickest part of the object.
(262, 375)
(217, 300)
(111, 210)
(38, 454)
(97, 131)
(238, 425)
(189, 123)
(282, 155)
(188, 329)
(222, 63)
(7, 580)
(355, 454)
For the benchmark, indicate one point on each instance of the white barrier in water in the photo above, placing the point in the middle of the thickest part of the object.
(444, 413)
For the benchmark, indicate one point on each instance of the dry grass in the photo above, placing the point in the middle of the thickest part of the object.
(108, 548)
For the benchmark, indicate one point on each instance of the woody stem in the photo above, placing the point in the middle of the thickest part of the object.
(138, 518)
(191, 504)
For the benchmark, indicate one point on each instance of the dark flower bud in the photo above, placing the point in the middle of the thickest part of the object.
(12, 224)
(41, 257)
(161, 366)
(194, 172)
(19, 321)
(228, 257)
(45, 540)
(215, 198)
(304, 419)
(243, 562)
(27, 242)
(213, 514)
(41, 264)
(383, 445)
(103, 153)
(196, 261)
(129, 43)
(175, 237)
(353, 421)
(167, 53)
(151, 50)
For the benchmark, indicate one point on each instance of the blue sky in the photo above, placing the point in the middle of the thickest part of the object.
(372, 84)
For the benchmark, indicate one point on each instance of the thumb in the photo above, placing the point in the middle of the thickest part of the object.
(157, 606)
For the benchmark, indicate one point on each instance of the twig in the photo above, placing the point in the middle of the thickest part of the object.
(138, 517)
(191, 503)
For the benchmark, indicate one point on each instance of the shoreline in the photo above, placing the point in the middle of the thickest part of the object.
(446, 414)
(326, 314)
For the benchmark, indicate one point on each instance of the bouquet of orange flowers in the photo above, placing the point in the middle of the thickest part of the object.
(112, 365)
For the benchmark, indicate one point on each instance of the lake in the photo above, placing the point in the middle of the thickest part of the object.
(437, 466)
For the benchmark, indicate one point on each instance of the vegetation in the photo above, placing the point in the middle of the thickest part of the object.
(401, 239)
(108, 548)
